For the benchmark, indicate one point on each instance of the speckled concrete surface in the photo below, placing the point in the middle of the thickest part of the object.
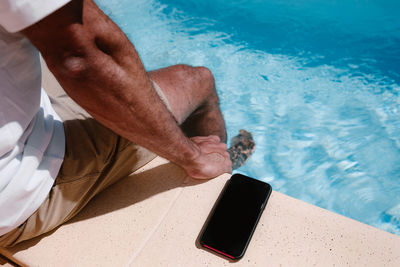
(290, 233)
(113, 226)
(154, 217)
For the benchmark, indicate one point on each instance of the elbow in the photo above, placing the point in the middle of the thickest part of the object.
(72, 57)
(74, 66)
(67, 64)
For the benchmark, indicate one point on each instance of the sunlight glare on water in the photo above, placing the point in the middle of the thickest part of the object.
(316, 82)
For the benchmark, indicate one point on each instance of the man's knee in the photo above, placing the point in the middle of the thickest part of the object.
(206, 75)
(194, 73)
(206, 79)
(199, 79)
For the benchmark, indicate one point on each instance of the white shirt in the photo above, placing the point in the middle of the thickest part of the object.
(32, 140)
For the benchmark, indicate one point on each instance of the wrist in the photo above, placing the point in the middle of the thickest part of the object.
(190, 154)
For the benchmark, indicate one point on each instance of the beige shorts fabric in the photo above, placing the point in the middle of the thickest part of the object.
(95, 158)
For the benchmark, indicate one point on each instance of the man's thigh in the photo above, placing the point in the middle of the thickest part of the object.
(95, 158)
(185, 87)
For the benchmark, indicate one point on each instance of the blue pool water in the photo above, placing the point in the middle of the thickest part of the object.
(315, 81)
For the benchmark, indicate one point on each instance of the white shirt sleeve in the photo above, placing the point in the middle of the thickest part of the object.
(16, 15)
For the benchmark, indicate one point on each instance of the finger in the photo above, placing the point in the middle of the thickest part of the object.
(226, 154)
(229, 167)
(209, 143)
(215, 137)
(211, 138)
(220, 148)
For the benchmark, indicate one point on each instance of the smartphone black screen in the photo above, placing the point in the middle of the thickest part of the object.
(235, 216)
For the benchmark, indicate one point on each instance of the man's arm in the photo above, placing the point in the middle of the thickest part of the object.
(100, 69)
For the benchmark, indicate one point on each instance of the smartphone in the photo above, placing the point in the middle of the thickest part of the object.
(235, 216)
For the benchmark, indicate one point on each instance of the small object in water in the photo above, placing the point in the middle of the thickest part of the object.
(242, 147)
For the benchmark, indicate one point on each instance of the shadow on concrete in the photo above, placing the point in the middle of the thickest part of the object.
(126, 192)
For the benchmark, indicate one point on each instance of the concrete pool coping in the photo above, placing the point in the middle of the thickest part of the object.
(154, 217)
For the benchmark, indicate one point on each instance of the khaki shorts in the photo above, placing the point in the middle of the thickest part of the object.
(95, 158)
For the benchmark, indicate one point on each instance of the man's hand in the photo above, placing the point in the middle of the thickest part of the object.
(212, 160)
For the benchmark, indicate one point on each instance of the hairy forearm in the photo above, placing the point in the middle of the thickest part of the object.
(121, 97)
(100, 69)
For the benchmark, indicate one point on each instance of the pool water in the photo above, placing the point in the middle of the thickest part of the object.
(315, 81)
